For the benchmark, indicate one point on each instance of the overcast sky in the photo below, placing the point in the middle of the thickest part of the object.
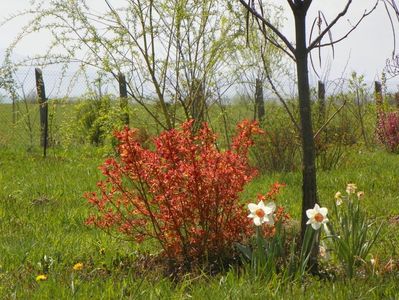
(365, 51)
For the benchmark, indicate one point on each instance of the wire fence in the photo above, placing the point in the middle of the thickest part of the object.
(20, 117)
(22, 123)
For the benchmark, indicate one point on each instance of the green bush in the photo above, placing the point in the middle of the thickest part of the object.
(278, 149)
(93, 121)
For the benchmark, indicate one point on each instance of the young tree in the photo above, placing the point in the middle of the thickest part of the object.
(299, 53)
(173, 52)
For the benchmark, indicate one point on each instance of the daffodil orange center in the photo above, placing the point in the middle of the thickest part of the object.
(319, 217)
(260, 213)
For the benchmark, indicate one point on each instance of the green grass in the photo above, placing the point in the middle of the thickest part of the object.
(42, 212)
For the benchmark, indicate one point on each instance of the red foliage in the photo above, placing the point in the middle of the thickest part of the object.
(388, 130)
(272, 194)
(280, 215)
(185, 193)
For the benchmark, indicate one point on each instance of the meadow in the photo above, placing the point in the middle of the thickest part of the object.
(43, 231)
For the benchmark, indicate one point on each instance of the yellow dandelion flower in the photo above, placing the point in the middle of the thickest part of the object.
(78, 266)
(41, 277)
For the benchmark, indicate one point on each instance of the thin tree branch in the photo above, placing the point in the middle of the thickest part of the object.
(328, 28)
(291, 4)
(269, 79)
(269, 25)
(392, 27)
(307, 3)
(366, 13)
(273, 41)
(329, 120)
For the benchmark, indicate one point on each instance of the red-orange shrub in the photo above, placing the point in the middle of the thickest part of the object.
(184, 194)
(388, 130)
(280, 216)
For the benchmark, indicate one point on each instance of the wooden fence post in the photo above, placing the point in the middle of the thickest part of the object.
(378, 97)
(197, 102)
(43, 107)
(14, 110)
(123, 98)
(259, 102)
(321, 96)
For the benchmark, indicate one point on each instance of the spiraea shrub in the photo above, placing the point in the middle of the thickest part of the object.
(182, 192)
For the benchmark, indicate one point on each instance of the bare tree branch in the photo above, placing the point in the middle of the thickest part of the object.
(329, 120)
(307, 3)
(273, 41)
(328, 28)
(281, 99)
(365, 14)
(269, 25)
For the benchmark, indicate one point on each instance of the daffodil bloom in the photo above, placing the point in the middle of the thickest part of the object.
(317, 216)
(390, 266)
(78, 266)
(41, 277)
(373, 261)
(323, 252)
(338, 198)
(360, 195)
(261, 213)
(351, 188)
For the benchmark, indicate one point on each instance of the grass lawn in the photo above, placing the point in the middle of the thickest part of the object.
(42, 214)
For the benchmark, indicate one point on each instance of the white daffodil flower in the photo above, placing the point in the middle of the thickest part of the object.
(338, 198)
(261, 213)
(351, 188)
(323, 252)
(317, 216)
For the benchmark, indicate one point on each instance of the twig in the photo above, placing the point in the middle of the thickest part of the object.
(269, 79)
(329, 120)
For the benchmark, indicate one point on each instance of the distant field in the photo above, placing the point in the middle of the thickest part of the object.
(22, 128)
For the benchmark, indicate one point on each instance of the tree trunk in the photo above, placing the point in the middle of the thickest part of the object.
(309, 189)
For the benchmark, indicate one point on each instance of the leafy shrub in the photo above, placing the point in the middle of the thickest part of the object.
(278, 148)
(93, 121)
(388, 130)
(330, 143)
(184, 193)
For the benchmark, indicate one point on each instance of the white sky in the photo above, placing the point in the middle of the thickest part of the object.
(365, 51)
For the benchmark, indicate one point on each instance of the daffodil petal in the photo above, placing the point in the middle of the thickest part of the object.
(257, 221)
(316, 226)
(310, 213)
(323, 211)
(261, 204)
(252, 207)
(270, 208)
